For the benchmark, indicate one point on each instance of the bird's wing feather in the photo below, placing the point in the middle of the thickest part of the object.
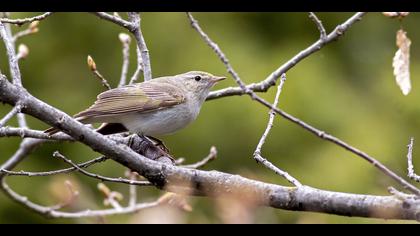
(143, 97)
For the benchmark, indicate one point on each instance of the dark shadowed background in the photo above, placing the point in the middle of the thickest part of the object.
(346, 89)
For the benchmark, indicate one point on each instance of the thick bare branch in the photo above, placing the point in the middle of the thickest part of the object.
(210, 183)
(270, 81)
(411, 174)
(26, 20)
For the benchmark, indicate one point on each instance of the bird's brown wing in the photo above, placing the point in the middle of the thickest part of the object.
(143, 97)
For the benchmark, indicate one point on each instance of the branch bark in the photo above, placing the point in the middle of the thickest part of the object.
(209, 183)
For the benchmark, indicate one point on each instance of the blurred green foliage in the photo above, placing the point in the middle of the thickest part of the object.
(346, 89)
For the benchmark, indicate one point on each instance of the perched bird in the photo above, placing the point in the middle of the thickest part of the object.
(156, 107)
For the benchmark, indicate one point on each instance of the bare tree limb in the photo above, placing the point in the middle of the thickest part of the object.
(14, 67)
(51, 212)
(13, 64)
(257, 153)
(322, 31)
(411, 174)
(141, 44)
(125, 40)
(27, 146)
(100, 177)
(212, 155)
(30, 133)
(270, 81)
(8, 116)
(139, 68)
(54, 172)
(115, 19)
(210, 183)
(25, 20)
(338, 31)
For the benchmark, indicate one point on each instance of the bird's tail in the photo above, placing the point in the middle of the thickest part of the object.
(53, 130)
(105, 128)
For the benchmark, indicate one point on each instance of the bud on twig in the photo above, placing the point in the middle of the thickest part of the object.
(33, 27)
(23, 51)
(124, 38)
(91, 63)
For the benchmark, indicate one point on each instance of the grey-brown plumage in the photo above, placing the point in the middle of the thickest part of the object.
(156, 107)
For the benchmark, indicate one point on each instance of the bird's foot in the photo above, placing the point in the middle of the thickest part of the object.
(160, 144)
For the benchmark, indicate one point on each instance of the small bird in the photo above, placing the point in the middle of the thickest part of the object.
(156, 107)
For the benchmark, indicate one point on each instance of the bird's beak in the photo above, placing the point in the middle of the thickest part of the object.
(217, 79)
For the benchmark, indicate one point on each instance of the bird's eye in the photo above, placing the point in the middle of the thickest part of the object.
(197, 78)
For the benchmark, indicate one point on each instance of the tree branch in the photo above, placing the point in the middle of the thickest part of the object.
(212, 155)
(270, 81)
(100, 177)
(210, 183)
(8, 116)
(125, 40)
(338, 31)
(51, 212)
(141, 44)
(322, 31)
(25, 20)
(411, 174)
(257, 153)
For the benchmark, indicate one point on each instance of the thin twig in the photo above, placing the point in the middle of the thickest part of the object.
(8, 116)
(92, 66)
(30, 133)
(257, 153)
(132, 188)
(26, 20)
(322, 31)
(242, 85)
(270, 81)
(55, 172)
(13, 64)
(115, 19)
(125, 40)
(14, 67)
(411, 174)
(96, 176)
(139, 68)
(210, 157)
(51, 212)
(220, 54)
(141, 44)
(32, 29)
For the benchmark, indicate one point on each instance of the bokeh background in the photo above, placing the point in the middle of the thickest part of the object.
(346, 89)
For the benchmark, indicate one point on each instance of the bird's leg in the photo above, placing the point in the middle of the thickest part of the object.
(160, 144)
